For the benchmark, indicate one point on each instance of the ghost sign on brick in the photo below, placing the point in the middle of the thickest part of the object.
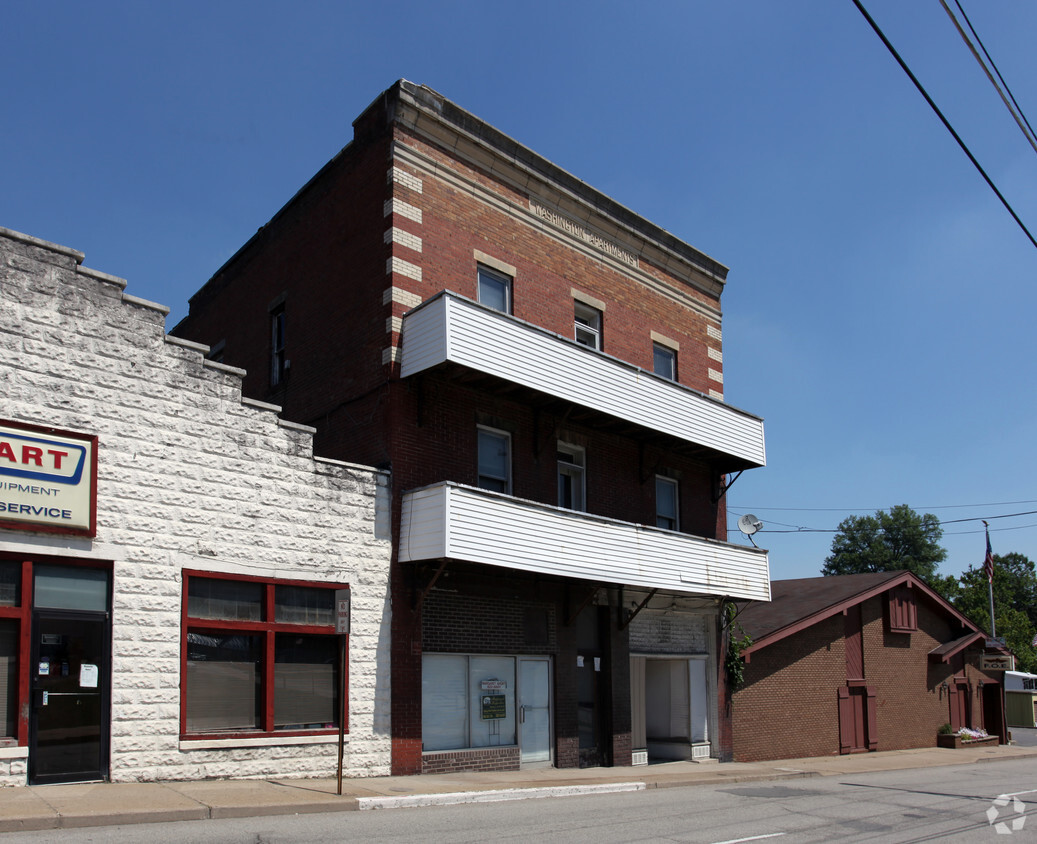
(48, 480)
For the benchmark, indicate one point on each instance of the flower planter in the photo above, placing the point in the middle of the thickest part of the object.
(955, 741)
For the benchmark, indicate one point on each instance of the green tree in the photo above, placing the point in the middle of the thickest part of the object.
(893, 540)
(1015, 604)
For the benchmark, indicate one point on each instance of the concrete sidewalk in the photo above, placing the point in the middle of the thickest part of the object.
(104, 804)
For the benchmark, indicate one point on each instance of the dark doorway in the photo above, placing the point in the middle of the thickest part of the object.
(591, 672)
(993, 711)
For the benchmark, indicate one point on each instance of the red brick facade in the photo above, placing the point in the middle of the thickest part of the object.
(789, 704)
(397, 217)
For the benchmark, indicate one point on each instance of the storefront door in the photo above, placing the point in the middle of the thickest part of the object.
(70, 676)
(534, 707)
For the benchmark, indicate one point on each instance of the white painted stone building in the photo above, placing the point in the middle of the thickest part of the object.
(171, 554)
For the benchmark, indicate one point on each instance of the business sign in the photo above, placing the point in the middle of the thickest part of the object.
(998, 663)
(494, 707)
(48, 480)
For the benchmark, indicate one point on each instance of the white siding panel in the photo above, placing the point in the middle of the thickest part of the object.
(499, 530)
(448, 327)
(423, 534)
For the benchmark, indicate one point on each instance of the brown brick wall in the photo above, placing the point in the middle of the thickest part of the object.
(481, 759)
(456, 223)
(788, 707)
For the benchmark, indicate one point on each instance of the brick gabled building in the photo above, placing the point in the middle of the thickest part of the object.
(541, 370)
(860, 662)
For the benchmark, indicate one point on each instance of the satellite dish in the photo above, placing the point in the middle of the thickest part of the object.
(749, 524)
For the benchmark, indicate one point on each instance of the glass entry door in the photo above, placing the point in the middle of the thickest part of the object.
(70, 676)
(534, 709)
(69, 727)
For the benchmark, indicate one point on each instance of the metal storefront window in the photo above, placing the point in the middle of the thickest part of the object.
(467, 701)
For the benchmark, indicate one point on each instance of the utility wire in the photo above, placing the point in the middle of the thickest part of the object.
(1006, 94)
(800, 529)
(943, 119)
(859, 509)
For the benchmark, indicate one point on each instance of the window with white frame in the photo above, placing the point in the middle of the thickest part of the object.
(494, 290)
(467, 701)
(572, 482)
(494, 460)
(260, 656)
(666, 508)
(587, 325)
(664, 361)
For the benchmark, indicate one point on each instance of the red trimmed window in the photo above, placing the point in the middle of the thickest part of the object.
(903, 612)
(258, 657)
(15, 605)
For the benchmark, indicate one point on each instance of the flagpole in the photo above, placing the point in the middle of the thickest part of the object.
(988, 566)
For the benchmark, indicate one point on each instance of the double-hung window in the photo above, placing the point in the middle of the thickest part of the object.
(587, 325)
(494, 460)
(572, 486)
(666, 506)
(494, 290)
(259, 656)
(664, 361)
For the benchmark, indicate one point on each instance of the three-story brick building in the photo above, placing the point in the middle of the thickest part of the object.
(541, 370)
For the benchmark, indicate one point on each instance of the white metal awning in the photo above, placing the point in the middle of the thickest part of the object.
(451, 329)
(453, 521)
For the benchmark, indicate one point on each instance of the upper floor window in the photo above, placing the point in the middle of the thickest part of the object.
(572, 486)
(278, 364)
(494, 460)
(664, 361)
(217, 351)
(495, 290)
(588, 325)
(666, 503)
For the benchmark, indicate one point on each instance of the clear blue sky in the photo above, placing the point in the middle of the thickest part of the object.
(881, 302)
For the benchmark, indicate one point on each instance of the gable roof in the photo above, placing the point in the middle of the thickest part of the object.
(798, 604)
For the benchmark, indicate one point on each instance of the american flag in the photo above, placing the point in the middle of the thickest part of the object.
(988, 562)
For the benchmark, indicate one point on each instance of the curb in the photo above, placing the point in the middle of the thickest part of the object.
(494, 796)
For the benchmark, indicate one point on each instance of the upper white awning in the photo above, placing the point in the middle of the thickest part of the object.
(451, 329)
(453, 521)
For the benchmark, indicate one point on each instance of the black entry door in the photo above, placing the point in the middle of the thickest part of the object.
(68, 732)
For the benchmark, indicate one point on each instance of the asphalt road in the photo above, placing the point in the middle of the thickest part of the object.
(1023, 736)
(955, 803)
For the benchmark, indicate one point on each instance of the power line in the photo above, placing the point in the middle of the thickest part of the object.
(860, 509)
(943, 119)
(801, 529)
(1006, 94)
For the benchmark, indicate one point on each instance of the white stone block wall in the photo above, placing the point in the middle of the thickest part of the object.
(190, 476)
